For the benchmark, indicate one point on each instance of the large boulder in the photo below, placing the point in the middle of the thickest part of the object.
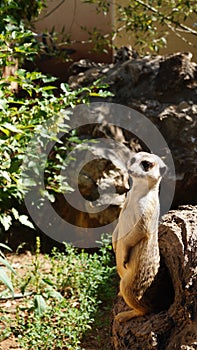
(164, 89)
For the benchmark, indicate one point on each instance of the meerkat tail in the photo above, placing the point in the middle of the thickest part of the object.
(126, 292)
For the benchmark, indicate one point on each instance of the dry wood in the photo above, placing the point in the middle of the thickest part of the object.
(172, 294)
(10, 71)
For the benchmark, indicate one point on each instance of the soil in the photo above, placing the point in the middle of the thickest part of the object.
(97, 338)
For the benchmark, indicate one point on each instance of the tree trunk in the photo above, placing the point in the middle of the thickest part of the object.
(174, 326)
(10, 71)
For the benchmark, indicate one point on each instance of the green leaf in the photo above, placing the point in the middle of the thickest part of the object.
(48, 281)
(28, 182)
(40, 304)
(7, 264)
(12, 128)
(25, 221)
(49, 87)
(5, 279)
(5, 131)
(49, 79)
(5, 175)
(15, 213)
(54, 294)
(5, 246)
(65, 88)
(24, 285)
(6, 221)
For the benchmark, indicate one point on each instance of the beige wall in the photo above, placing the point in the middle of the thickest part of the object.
(72, 14)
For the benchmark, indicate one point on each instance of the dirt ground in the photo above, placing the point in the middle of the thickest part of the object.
(97, 338)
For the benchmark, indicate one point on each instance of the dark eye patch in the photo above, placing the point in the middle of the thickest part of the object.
(132, 161)
(146, 166)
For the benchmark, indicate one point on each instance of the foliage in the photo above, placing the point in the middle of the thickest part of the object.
(3, 276)
(143, 19)
(20, 9)
(17, 40)
(23, 115)
(64, 297)
(149, 22)
(102, 5)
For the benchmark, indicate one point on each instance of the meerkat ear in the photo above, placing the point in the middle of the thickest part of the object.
(163, 169)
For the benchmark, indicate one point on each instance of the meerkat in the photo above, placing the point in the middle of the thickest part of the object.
(135, 238)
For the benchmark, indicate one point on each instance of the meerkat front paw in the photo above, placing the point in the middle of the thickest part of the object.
(125, 263)
(126, 257)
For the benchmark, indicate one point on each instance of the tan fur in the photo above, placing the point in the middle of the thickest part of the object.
(135, 238)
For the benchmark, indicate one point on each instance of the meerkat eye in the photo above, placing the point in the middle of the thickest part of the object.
(146, 165)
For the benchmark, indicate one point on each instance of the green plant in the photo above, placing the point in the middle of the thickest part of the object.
(22, 116)
(24, 112)
(3, 276)
(150, 22)
(64, 296)
(17, 40)
(21, 9)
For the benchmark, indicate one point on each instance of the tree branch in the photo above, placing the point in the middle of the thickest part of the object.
(167, 18)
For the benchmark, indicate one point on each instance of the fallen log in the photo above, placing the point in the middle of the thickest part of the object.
(173, 292)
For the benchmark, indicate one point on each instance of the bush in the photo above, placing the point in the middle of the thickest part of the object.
(63, 295)
(23, 115)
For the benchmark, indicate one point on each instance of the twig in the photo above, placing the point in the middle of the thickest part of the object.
(16, 296)
(167, 18)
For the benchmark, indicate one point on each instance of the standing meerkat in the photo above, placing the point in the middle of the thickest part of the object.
(135, 238)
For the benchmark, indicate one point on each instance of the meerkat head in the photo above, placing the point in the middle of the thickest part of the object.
(146, 166)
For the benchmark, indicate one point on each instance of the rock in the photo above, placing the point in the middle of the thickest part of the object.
(124, 54)
(174, 73)
(102, 182)
(164, 89)
(82, 66)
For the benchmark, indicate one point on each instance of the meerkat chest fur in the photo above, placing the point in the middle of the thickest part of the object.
(138, 236)
(144, 257)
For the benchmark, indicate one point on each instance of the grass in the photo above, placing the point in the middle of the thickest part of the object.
(62, 296)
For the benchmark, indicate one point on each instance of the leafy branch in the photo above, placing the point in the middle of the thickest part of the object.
(167, 19)
(141, 19)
